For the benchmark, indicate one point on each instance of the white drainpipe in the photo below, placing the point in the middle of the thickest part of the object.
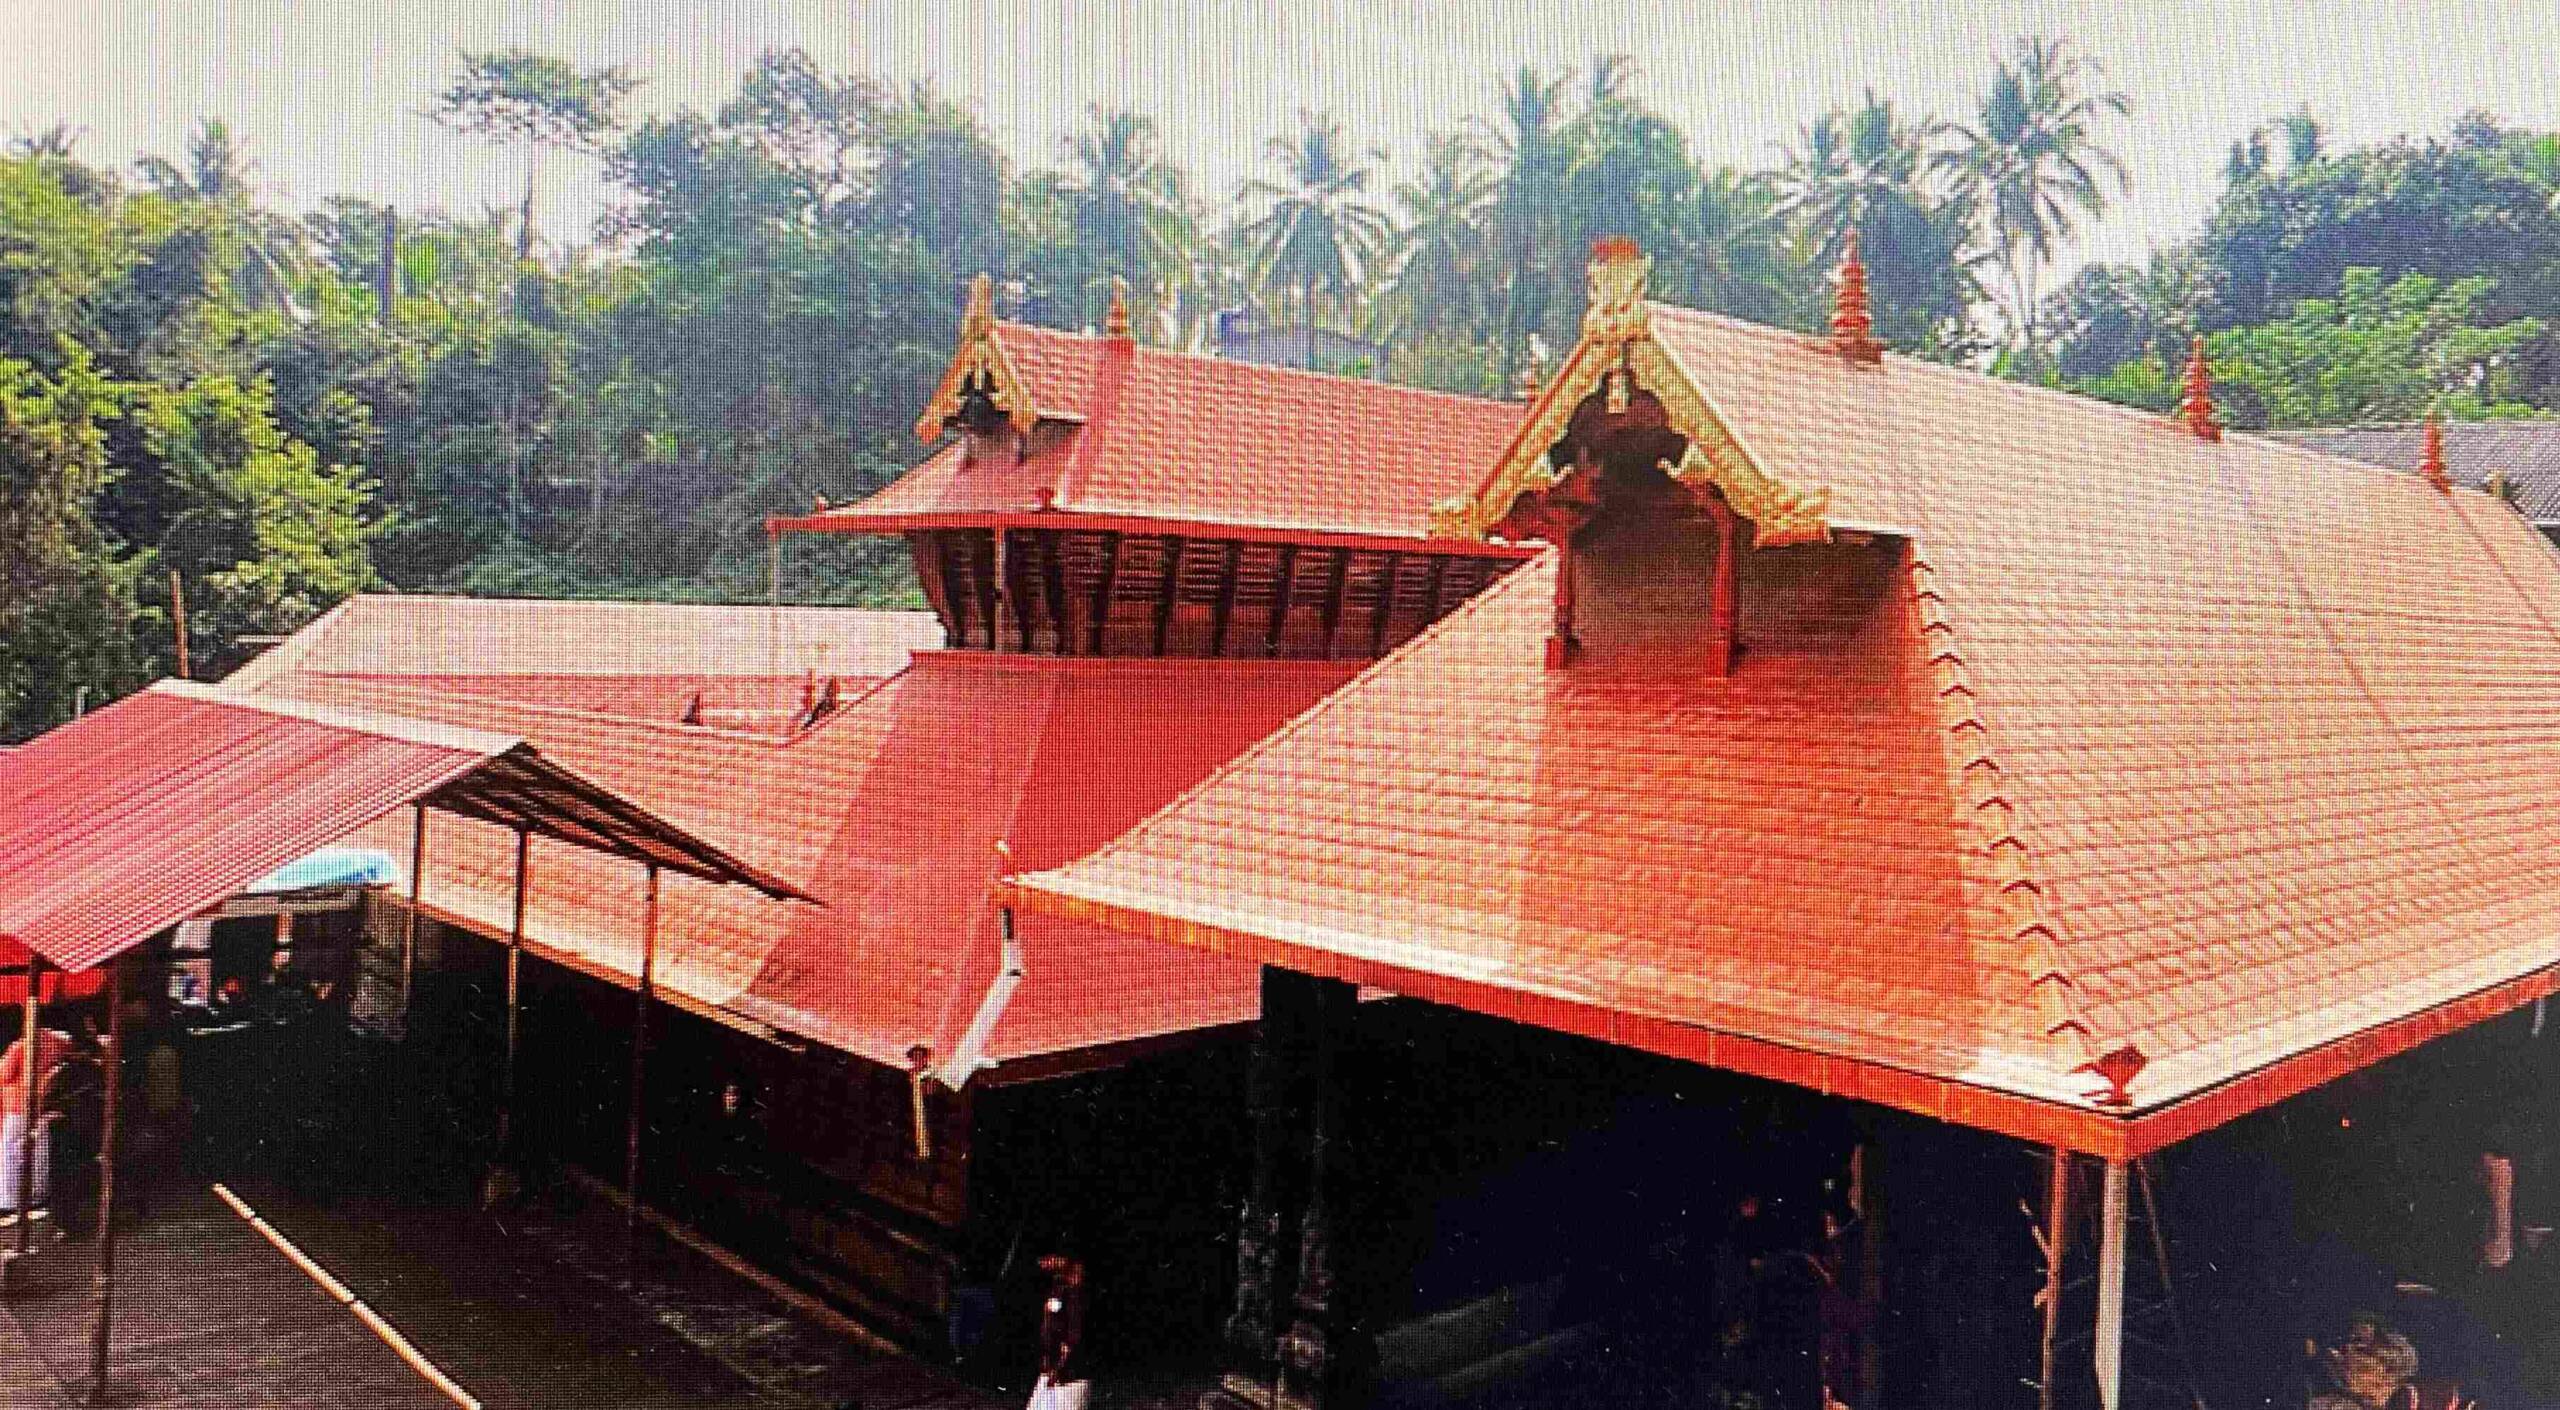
(971, 1053)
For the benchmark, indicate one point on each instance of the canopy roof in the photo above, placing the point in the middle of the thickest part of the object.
(2202, 769)
(1139, 437)
(134, 817)
(889, 810)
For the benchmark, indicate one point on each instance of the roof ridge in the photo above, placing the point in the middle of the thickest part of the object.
(1994, 815)
(2271, 439)
(281, 690)
(1145, 350)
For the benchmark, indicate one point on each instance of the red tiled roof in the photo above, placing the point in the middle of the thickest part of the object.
(2233, 752)
(490, 638)
(1140, 433)
(889, 812)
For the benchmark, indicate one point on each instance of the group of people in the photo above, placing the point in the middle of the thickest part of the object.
(56, 1103)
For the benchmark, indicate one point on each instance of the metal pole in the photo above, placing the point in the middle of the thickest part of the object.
(30, 1081)
(409, 933)
(639, 1059)
(2110, 1338)
(2057, 1241)
(515, 964)
(106, 1275)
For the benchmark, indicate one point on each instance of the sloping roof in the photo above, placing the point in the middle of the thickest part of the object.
(134, 817)
(492, 638)
(2242, 758)
(743, 666)
(1143, 434)
(2529, 451)
(889, 811)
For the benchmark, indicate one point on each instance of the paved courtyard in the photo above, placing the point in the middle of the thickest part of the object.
(531, 1311)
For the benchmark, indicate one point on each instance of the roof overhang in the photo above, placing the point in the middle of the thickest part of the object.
(2087, 1128)
(165, 804)
(854, 520)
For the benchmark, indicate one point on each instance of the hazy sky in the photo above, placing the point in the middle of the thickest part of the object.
(328, 97)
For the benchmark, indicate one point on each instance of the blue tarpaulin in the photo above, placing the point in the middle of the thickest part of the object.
(331, 866)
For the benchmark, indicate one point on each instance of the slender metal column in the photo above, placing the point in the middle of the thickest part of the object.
(30, 1043)
(515, 965)
(639, 1069)
(105, 1278)
(409, 932)
(2110, 1339)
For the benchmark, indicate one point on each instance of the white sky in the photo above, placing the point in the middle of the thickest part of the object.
(328, 96)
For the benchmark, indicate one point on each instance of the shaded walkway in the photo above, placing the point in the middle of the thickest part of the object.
(524, 1312)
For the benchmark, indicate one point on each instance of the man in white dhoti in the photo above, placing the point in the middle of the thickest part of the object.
(1062, 1384)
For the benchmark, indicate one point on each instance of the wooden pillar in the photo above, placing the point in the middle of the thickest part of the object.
(31, 1033)
(104, 1280)
(1724, 595)
(1284, 589)
(1170, 589)
(409, 931)
(639, 1069)
(2109, 1349)
(2057, 1241)
(1314, 1362)
(1226, 598)
(1388, 571)
(1105, 582)
(515, 994)
(1337, 586)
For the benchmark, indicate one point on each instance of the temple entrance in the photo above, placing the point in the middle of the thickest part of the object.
(1519, 1217)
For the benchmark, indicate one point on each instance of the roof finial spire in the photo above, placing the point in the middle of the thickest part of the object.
(1853, 325)
(980, 316)
(1115, 322)
(2197, 404)
(2431, 455)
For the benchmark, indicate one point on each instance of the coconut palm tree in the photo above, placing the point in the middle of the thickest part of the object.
(1868, 170)
(1318, 234)
(1443, 243)
(275, 253)
(1130, 207)
(2037, 164)
(1530, 142)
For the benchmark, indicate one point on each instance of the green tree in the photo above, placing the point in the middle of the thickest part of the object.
(1319, 234)
(1868, 170)
(1131, 212)
(2380, 350)
(2037, 166)
(66, 602)
(536, 102)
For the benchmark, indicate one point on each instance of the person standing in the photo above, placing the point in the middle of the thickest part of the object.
(1062, 1384)
(22, 1189)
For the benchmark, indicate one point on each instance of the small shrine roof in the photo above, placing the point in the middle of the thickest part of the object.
(1120, 431)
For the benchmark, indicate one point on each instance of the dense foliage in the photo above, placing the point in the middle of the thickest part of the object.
(276, 411)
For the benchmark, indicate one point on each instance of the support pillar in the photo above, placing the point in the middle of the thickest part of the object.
(2109, 1348)
(639, 1069)
(515, 969)
(2057, 1240)
(1253, 1327)
(409, 931)
(31, 1048)
(1314, 1356)
(104, 1280)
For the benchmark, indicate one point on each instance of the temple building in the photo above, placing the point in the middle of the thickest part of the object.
(1996, 769)
(1138, 563)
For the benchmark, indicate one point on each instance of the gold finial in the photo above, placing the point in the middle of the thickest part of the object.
(981, 313)
(2431, 455)
(1617, 286)
(1853, 325)
(2197, 404)
(2500, 486)
(1115, 323)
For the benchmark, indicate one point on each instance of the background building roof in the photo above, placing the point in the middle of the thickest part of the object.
(2529, 451)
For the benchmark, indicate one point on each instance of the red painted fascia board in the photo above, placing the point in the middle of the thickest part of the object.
(2042, 1123)
(841, 522)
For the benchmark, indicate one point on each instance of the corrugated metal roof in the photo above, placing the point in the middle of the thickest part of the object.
(2529, 451)
(136, 816)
